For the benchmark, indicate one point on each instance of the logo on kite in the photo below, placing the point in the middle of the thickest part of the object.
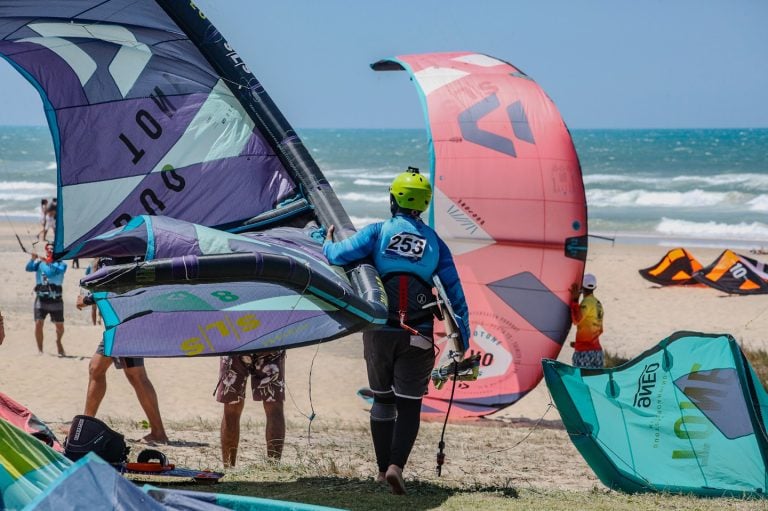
(645, 385)
(124, 68)
(495, 360)
(471, 132)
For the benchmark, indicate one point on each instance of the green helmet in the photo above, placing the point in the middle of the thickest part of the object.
(411, 190)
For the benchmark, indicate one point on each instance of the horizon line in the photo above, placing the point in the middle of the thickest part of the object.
(593, 128)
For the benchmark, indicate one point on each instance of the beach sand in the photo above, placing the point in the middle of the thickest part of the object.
(510, 446)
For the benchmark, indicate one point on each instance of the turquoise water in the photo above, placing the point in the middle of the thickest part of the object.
(704, 185)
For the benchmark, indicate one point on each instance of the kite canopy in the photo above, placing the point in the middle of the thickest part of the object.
(735, 274)
(676, 268)
(24, 419)
(685, 416)
(195, 295)
(509, 201)
(152, 112)
(35, 477)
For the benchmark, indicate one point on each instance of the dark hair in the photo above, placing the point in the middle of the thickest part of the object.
(43, 201)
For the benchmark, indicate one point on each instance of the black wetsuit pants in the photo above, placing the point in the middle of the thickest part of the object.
(393, 440)
(398, 374)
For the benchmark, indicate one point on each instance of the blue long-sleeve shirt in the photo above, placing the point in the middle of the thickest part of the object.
(46, 273)
(405, 244)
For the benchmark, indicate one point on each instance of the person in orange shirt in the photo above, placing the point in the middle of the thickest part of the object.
(588, 318)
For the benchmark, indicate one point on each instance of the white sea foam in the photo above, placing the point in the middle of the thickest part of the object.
(364, 197)
(596, 179)
(713, 230)
(43, 188)
(363, 173)
(51, 166)
(361, 221)
(745, 181)
(353, 172)
(759, 204)
(18, 196)
(371, 182)
(654, 199)
(17, 213)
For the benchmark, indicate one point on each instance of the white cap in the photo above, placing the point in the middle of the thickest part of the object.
(589, 282)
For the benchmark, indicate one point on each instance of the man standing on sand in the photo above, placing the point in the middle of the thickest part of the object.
(267, 371)
(50, 220)
(2, 329)
(588, 318)
(135, 372)
(400, 356)
(49, 276)
(43, 217)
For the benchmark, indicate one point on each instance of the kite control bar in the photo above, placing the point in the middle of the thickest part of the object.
(460, 370)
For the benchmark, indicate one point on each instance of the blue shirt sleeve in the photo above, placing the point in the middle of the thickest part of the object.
(446, 270)
(356, 247)
(32, 265)
(56, 268)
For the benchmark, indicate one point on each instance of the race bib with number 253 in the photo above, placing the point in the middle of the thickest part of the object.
(407, 244)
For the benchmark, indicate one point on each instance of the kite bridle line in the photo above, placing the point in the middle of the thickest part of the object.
(647, 483)
(8, 219)
(746, 325)
(312, 413)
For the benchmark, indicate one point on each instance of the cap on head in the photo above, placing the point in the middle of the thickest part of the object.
(589, 282)
(411, 190)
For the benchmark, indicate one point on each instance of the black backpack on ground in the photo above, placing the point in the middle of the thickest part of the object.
(89, 434)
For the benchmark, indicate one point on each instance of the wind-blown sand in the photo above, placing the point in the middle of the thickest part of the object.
(637, 315)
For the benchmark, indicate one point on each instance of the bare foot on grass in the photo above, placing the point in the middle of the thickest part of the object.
(395, 479)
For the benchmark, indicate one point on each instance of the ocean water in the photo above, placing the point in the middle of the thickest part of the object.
(694, 187)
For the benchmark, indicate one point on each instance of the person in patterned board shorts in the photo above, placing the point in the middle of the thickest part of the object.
(588, 318)
(267, 372)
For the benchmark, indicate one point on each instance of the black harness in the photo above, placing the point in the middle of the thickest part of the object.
(48, 292)
(407, 295)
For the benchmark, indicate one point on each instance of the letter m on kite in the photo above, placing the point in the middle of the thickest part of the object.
(471, 132)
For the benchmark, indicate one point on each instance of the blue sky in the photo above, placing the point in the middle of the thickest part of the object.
(605, 63)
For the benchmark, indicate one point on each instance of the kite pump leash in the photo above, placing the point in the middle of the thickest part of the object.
(440, 458)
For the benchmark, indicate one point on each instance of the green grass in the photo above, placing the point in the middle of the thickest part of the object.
(354, 493)
(759, 361)
(491, 465)
(613, 360)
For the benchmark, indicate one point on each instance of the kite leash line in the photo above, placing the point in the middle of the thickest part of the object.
(440, 457)
(311, 416)
(13, 228)
(746, 325)
(550, 405)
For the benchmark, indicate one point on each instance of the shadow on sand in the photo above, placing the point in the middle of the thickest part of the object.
(346, 493)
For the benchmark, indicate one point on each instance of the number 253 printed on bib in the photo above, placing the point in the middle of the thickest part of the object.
(407, 244)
